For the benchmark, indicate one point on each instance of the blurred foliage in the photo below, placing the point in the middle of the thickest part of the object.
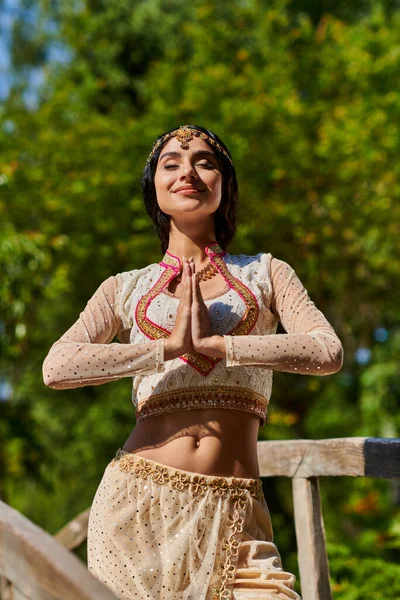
(307, 100)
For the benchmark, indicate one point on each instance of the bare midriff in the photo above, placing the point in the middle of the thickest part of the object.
(221, 442)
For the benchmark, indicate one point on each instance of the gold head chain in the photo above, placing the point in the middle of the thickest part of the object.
(185, 135)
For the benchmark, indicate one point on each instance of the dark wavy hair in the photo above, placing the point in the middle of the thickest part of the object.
(225, 220)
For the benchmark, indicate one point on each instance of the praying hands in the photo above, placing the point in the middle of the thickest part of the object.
(192, 330)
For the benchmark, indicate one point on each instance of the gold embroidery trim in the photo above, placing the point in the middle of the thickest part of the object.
(229, 397)
(171, 260)
(151, 330)
(250, 317)
(226, 569)
(128, 462)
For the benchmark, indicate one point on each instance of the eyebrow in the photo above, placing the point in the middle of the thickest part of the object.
(196, 154)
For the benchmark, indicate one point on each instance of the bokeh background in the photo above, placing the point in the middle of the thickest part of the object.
(306, 95)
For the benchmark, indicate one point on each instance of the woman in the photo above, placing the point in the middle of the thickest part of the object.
(180, 512)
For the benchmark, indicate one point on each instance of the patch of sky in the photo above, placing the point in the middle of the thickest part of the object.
(8, 126)
(381, 334)
(6, 390)
(363, 356)
(56, 53)
(35, 78)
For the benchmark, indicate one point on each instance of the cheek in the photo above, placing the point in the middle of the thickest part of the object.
(162, 182)
(217, 185)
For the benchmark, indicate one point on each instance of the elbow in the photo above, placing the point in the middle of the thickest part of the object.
(51, 369)
(54, 383)
(339, 357)
(49, 374)
(48, 379)
(336, 362)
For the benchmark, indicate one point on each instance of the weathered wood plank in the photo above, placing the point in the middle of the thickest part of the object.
(18, 595)
(357, 456)
(74, 533)
(382, 457)
(312, 458)
(310, 534)
(5, 589)
(39, 567)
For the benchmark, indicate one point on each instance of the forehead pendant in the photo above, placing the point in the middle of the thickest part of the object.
(185, 135)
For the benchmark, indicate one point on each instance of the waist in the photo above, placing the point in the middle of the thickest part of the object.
(182, 479)
(214, 442)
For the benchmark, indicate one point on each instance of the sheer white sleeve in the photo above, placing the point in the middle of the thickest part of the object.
(84, 355)
(310, 346)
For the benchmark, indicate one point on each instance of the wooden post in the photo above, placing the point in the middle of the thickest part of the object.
(75, 532)
(310, 535)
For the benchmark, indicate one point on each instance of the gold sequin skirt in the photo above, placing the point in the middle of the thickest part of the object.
(160, 533)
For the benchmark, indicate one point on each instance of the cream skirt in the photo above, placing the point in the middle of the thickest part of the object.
(161, 533)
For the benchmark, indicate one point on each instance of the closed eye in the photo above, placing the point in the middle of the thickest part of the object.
(207, 165)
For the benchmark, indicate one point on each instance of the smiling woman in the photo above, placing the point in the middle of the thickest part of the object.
(193, 173)
(180, 511)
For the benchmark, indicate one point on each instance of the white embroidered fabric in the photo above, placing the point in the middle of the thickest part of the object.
(310, 345)
(85, 354)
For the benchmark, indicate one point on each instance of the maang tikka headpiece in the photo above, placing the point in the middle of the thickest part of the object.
(185, 134)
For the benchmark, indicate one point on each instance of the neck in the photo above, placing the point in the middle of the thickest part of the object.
(184, 244)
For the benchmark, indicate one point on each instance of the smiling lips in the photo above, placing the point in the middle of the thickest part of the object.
(187, 189)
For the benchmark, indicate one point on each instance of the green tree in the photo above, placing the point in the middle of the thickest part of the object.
(311, 113)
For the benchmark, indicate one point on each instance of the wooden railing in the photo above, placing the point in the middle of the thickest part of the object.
(304, 461)
(35, 566)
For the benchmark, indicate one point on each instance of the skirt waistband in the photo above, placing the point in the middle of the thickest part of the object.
(181, 479)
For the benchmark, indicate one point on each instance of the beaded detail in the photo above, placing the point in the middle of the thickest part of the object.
(204, 397)
(218, 295)
(186, 134)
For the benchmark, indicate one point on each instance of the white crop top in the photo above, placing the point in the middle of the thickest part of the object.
(136, 307)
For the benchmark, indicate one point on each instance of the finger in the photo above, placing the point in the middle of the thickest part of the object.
(188, 288)
(184, 281)
(183, 273)
(197, 291)
(194, 282)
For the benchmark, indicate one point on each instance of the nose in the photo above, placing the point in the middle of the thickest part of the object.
(188, 172)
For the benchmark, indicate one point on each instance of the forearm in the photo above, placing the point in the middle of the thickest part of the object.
(318, 353)
(73, 364)
(213, 346)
